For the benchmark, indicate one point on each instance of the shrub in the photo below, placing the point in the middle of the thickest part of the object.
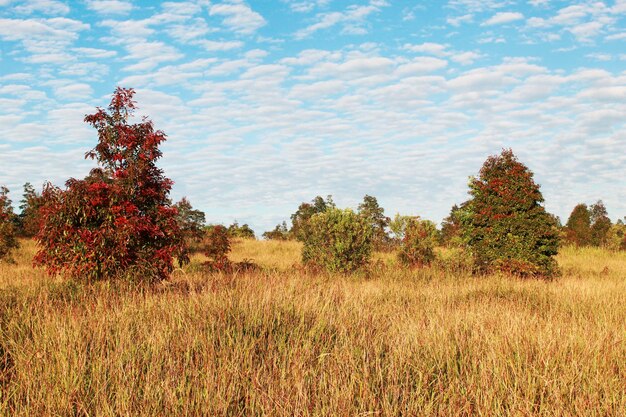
(616, 237)
(418, 243)
(504, 224)
(8, 241)
(338, 241)
(118, 221)
(216, 244)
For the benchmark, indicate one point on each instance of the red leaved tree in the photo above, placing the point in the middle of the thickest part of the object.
(119, 220)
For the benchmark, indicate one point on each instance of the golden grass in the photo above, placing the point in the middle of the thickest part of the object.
(288, 343)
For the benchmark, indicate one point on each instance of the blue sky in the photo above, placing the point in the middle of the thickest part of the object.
(269, 103)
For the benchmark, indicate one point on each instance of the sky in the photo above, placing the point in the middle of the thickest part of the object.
(267, 104)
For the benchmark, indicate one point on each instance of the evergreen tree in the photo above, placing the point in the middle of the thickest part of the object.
(504, 223)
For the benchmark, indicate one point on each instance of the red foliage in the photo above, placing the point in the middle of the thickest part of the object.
(118, 221)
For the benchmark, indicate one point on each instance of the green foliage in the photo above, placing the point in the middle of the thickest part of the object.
(451, 228)
(578, 226)
(600, 224)
(8, 241)
(29, 219)
(375, 216)
(191, 225)
(616, 237)
(280, 232)
(398, 226)
(418, 243)
(504, 224)
(338, 241)
(300, 219)
(242, 232)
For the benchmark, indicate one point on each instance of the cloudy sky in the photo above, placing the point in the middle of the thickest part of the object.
(269, 103)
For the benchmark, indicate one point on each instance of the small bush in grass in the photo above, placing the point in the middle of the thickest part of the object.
(418, 244)
(216, 244)
(8, 241)
(338, 241)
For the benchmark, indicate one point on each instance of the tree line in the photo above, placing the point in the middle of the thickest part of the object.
(119, 222)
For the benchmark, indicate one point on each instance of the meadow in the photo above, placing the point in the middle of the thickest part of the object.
(283, 341)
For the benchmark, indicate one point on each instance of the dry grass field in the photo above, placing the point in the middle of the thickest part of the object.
(283, 342)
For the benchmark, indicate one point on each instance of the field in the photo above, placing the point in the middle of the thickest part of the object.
(285, 342)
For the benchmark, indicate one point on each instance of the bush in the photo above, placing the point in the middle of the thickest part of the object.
(8, 241)
(118, 221)
(338, 241)
(418, 243)
(216, 244)
(280, 232)
(504, 224)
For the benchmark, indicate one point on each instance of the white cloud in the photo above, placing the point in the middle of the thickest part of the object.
(219, 45)
(353, 18)
(239, 17)
(50, 7)
(428, 48)
(503, 17)
(108, 7)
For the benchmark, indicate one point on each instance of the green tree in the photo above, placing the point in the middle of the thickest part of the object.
(280, 232)
(578, 226)
(191, 224)
(398, 226)
(8, 240)
(600, 224)
(242, 232)
(29, 219)
(375, 216)
(451, 227)
(505, 224)
(338, 241)
(300, 219)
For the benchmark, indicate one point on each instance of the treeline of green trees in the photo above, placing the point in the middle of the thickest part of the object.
(119, 222)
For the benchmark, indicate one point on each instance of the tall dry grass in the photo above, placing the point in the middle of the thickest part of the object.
(283, 342)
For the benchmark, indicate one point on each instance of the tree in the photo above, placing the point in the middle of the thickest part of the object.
(375, 216)
(280, 232)
(578, 226)
(29, 219)
(119, 220)
(338, 241)
(398, 226)
(418, 243)
(242, 232)
(8, 241)
(300, 219)
(191, 225)
(451, 227)
(600, 224)
(504, 223)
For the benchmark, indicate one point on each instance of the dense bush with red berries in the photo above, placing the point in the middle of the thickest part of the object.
(119, 220)
(504, 223)
(8, 241)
